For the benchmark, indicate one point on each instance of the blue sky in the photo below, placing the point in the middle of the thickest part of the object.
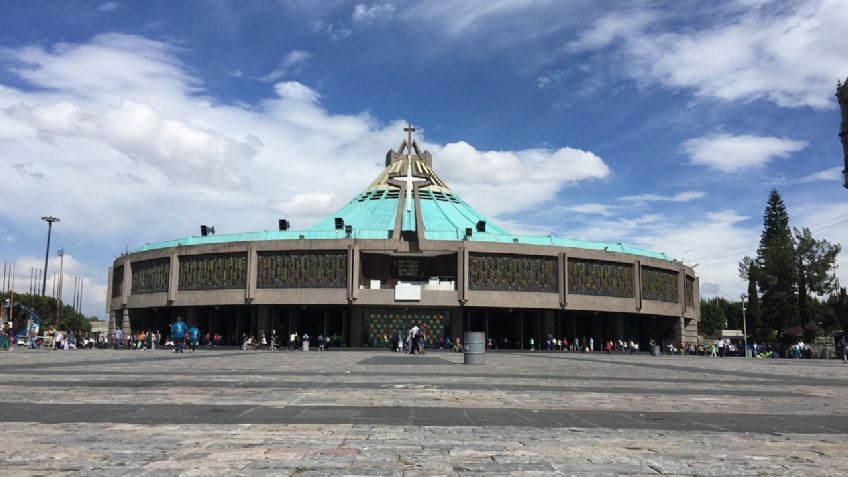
(660, 124)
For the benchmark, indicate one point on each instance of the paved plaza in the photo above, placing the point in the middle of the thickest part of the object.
(228, 412)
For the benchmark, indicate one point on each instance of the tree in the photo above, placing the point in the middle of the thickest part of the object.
(748, 271)
(816, 261)
(712, 318)
(839, 303)
(776, 271)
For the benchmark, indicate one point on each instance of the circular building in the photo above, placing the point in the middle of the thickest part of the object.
(405, 251)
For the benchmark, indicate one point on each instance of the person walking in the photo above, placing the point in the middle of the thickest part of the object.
(844, 345)
(119, 336)
(193, 338)
(178, 331)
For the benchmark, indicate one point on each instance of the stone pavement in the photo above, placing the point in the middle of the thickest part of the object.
(380, 413)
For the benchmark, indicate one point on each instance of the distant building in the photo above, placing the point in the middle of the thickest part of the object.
(842, 97)
(406, 251)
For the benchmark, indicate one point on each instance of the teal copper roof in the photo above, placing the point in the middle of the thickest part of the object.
(373, 213)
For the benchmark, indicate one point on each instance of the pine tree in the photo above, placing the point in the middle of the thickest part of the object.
(776, 267)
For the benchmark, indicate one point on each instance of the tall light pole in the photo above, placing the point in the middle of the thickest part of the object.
(50, 221)
(61, 254)
(744, 326)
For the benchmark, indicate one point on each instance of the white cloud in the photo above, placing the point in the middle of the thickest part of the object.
(516, 179)
(133, 151)
(332, 30)
(297, 92)
(184, 154)
(612, 27)
(686, 196)
(590, 209)
(93, 288)
(364, 14)
(834, 174)
(289, 64)
(729, 153)
(108, 6)
(311, 205)
(789, 56)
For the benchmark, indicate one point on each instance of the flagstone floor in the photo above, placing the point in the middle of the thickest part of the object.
(379, 413)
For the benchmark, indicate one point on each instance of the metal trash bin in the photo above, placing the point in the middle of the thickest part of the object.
(305, 345)
(475, 347)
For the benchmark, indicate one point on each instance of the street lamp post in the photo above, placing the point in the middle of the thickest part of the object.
(744, 326)
(61, 254)
(49, 221)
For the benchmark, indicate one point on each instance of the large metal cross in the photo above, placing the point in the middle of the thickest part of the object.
(409, 130)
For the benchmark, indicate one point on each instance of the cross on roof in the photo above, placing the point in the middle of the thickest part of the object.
(409, 130)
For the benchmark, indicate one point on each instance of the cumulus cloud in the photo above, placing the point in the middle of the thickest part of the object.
(528, 177)
(289, 64)
(297, 92)
(751, 53)
(184, 154)
(729, 153)
(132, 150)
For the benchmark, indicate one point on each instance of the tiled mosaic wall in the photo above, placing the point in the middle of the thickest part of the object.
(690, 291)
(385, 323)
(598, 278)
(150, 276)
(214, 271)
(520, 273)
(302, 269)
(659, 285)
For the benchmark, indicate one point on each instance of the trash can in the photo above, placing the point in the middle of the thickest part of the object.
(305, 345)
(475, 347)
(655, 350)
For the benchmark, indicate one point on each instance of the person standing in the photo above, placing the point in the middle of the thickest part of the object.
(119, 336)
(178, 331)
(844, 345)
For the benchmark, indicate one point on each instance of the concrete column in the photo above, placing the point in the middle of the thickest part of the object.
(637, 284)
(109, 292)
(173, 277)
(111, 323)
(563, 279)
(250, 286)
(127, 284)
(125, 323)
(462, 274)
